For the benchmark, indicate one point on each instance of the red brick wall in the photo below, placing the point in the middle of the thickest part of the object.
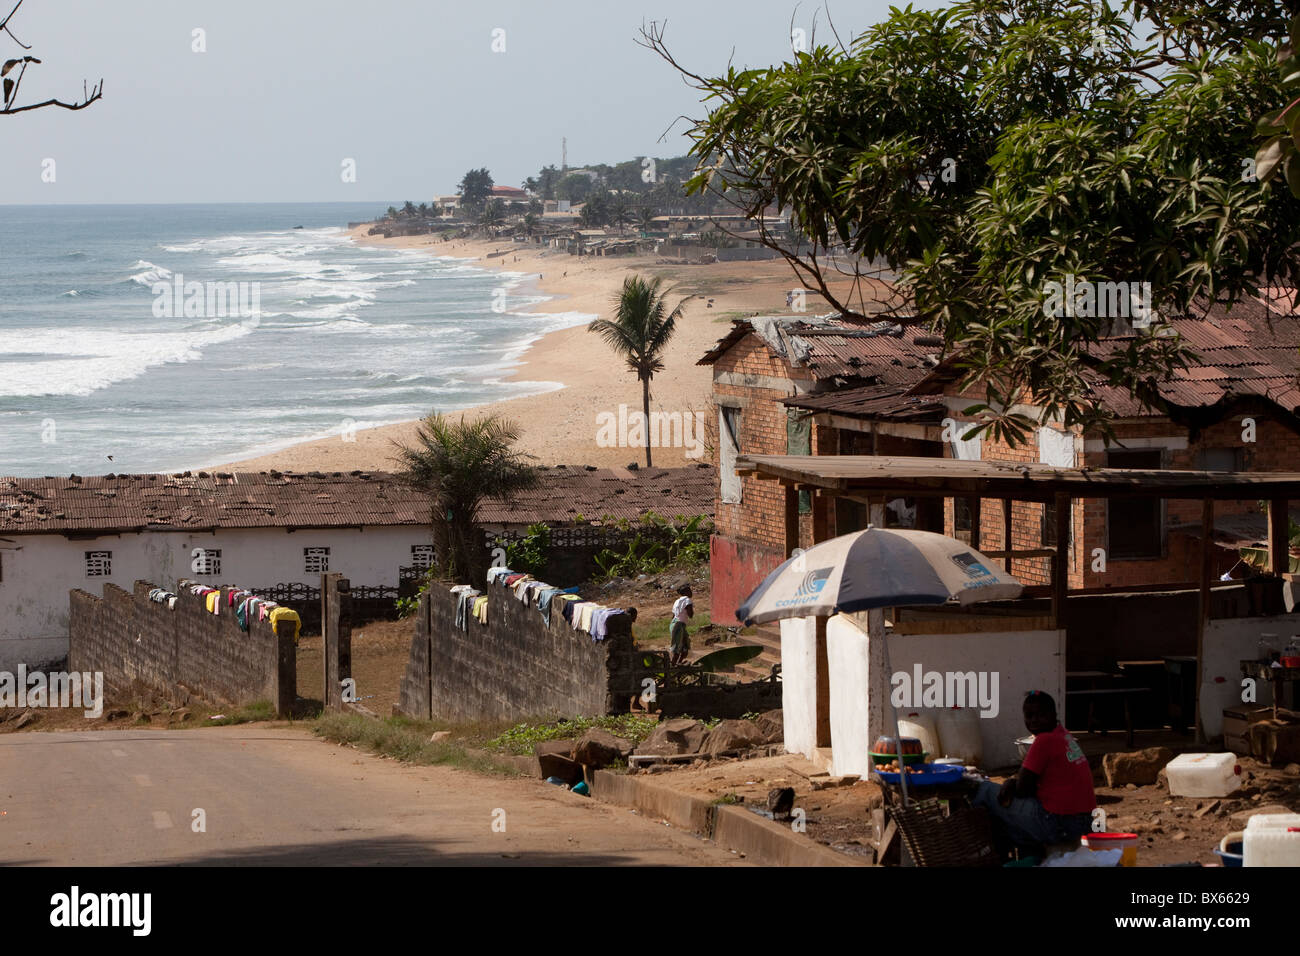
(1276, 448)
(759, 519)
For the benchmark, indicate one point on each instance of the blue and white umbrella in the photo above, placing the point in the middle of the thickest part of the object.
(877, 567)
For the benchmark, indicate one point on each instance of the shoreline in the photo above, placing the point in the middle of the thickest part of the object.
(560, 424)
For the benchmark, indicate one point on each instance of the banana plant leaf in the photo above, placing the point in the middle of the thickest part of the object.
(1258, 558)
(728, 657)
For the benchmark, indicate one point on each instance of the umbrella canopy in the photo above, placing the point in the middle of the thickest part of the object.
(877, 567)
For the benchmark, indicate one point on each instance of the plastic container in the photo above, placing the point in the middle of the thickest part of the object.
(921, 725)
(1203, 775)
(1272, 839)
(925, 775)
(1229, 850)
(959, 732)
(1126, 842)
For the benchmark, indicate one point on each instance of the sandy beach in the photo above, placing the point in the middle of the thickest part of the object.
(560, 426)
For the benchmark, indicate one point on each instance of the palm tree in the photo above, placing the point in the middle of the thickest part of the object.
(392, 213)
(460, 464)
(639, 332)
(493, 212)
(408, 210)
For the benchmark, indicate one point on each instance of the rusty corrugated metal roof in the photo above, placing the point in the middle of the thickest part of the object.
(882, 402)
(153, 502)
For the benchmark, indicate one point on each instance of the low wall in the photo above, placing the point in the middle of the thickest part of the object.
(130, 638)
(516, 665)
(1023, 660)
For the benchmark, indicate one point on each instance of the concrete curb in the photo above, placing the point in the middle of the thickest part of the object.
(734, 828)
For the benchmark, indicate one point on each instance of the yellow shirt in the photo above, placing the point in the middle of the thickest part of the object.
(211, 599)
(286, 614)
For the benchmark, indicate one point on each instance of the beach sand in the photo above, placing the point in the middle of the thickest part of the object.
(559, 426)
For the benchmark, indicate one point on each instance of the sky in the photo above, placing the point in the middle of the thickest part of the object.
(289, 95)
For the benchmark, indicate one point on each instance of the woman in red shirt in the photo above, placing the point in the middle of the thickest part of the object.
(1051, 799)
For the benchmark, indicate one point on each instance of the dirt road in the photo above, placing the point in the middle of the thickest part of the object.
(283, 797)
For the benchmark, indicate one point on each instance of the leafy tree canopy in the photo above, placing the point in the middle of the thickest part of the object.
(983, 151)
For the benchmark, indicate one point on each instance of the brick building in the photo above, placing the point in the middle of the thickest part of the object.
(833, 387)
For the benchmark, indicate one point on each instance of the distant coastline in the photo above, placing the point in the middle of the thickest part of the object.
(581, 377)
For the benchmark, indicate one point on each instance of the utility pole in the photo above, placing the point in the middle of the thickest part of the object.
(564, 154)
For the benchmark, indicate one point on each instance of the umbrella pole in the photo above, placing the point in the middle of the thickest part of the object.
(898, 733)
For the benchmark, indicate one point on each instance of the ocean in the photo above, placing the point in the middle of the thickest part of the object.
(177, 337)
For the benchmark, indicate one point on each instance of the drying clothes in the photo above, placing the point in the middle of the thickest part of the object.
(464, 605)
(264, 609)
(480, 609)
(513, 579)
(525, 590)
(587, 613)
(241, 614)
(494, 574)
(287, 614)
(544, 598)
(600, 622)
(162, 596)
(171, 603)
(212, 600)
(578, 610)
(567, 610)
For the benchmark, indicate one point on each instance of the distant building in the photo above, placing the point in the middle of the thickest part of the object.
(260, 530)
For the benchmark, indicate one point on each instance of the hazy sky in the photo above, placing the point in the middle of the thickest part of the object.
(411, 90)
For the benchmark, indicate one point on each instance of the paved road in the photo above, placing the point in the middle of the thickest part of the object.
(283, 797)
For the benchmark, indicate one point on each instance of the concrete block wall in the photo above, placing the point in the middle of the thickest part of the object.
(516, 666)
(130, 638)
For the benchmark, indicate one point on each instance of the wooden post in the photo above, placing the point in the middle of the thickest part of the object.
(878, 681)
(1061, 560)
(791, 519)
(1279, 524)
(823, 521)
(336, 634)
(973, 503)
(1203, 602)
(1006, 533)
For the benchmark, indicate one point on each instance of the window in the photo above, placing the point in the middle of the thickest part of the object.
(729, 448)
(422, 556)
(316, 560)
(1219, 459)
(961, 514)
(99, 564)
(206, 561)
(1135, 527)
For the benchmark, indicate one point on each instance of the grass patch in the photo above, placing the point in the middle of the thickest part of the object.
(258, 710)
(406, 740)
(657, 632)
(520, 738)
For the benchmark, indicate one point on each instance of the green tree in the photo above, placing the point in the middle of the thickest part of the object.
(639, 332)
(475, 188)
(992, 149)
(460, 464)
(392, 213)
(595, 211)
(574, 187)
(494, 212)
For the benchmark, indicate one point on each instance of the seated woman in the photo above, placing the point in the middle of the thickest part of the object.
(1051, 799)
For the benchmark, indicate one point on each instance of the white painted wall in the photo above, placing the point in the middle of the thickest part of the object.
(848, 663)
(1228, 642)
(1023, 660)
(39, 570)
(799, 684)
